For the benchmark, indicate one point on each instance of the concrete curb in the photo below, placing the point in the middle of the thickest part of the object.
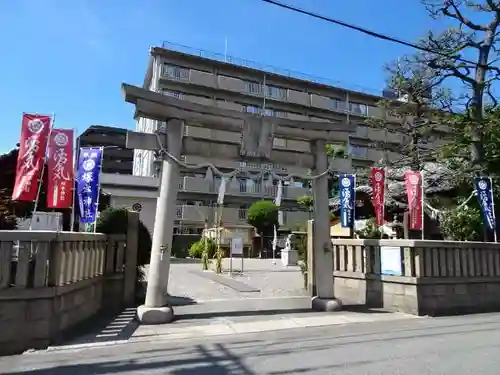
(156, 334)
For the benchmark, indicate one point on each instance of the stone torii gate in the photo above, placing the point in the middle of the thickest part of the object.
(257, 134)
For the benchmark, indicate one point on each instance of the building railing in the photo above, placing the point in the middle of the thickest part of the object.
(233, 215)
(201, 185)
(35, 259)
(266, 68)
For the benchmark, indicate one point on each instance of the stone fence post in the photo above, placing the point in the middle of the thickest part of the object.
(132, 248)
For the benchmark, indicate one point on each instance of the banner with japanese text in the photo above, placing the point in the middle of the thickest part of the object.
(87, 183)
(35, 130)
(413, 183)
(60, 169)
(378, 194)
(347, 184)
(484, 191)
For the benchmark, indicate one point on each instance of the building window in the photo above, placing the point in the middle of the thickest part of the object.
(264, 166)
(276, 92)
(320, 119)
(268, 112)
(176, 72)
(242, 213)
(362, 131)
(334, 103)
(251, 109)
(358, 108)
(281, 114)
(360, 152)
(279, 142)
(337, 104)
(173, 94)
(253, 88)
(243, 185)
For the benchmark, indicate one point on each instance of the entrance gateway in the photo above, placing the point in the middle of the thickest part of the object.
(257, 136)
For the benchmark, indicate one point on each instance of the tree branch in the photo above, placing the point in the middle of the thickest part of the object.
(493, 6)
(456, 14)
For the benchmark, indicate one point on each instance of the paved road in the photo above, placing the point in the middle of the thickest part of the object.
(445, 346)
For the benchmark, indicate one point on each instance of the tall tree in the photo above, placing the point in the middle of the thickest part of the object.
(467, 52)
(416, 96)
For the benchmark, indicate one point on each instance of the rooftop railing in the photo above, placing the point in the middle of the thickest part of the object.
(266, 68)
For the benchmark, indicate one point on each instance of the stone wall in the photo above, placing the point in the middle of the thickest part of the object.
(81, 275)
(34, 319)
(438, 277)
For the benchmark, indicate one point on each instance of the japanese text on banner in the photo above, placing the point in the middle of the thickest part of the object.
(378, 194)
(34, 133)
(347, 200)
(413, 182)
(60, 164)
(484, 191)
(88, 174)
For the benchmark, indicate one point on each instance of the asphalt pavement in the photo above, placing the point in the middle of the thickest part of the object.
(445, 346)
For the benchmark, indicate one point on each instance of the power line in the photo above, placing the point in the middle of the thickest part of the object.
(362, 30)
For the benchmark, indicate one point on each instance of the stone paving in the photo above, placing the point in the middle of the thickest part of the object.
(271, 281)
(198, 298)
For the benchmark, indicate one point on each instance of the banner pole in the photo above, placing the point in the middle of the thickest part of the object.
(493, 212)
(76, 157)
(40, 181)
(353, 228)
(422, 203)
(98, 189)
(386, 187)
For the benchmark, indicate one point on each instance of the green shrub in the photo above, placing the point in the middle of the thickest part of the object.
(113, 220)
(371, 230)
(196, 250)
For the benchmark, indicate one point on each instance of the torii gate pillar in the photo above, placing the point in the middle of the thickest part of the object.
(156, 309)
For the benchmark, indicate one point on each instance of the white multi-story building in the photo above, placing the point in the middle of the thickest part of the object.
(225, 82)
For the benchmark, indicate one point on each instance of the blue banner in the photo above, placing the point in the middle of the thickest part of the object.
(347, 184)
(87, 183)
(484, 191)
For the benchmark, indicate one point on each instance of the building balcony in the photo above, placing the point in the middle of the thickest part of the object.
(193, 213)
(102, 139)
(271, 92)
(198, 214)
(256, 190)
(293, 219)
(232, 216)
(195, 185)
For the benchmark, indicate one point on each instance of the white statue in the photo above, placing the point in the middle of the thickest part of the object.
(288, 243)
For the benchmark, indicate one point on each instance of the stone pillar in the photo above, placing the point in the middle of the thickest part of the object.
(156, 310)
(323, 256)
(130, 272)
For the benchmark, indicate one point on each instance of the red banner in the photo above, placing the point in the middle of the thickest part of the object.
(378, 194)
(413, 182)
(34, 133)
(60, 177)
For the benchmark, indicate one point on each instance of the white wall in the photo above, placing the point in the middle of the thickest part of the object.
(146, 215)
(143, 159)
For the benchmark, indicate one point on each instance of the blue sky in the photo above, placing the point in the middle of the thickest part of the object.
(70, 57)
